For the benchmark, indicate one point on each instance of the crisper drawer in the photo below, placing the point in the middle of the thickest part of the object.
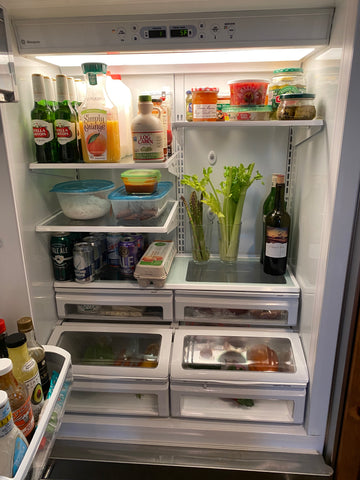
(118, 369)
(219, 308)
(115, 305)
(238, 375)
(35, 459)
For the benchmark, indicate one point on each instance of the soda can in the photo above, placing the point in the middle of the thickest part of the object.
(96, 245)
(83, 262)
(102, 238)
(128, 253)
(140, 243)
(62, 257)
(112, 243)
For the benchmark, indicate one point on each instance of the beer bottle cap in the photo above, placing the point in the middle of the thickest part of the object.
(25, 324)
(62, 90)
(38, 87)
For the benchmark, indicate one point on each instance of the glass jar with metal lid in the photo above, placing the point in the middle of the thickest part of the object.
(296, 106)
(285, 80)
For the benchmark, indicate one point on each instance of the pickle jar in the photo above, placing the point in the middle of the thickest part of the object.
(296, 106)
(204, 101)
(285, 80)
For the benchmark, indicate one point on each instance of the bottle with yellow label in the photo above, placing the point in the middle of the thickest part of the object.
(98, 119)
(25, 370)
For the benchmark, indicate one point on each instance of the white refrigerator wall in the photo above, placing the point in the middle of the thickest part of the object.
(315, 168)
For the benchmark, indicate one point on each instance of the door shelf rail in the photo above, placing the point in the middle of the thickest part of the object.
(58, 222)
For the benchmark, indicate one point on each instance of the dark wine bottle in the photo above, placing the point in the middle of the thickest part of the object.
(277, 230)
(268, 206)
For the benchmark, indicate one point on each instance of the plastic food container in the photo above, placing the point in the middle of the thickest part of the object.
(296, 106)
(233, 113)
(84, 199)
(248, 92)
(204, 100)
(138, 208)
(223, 100)
(141, 181)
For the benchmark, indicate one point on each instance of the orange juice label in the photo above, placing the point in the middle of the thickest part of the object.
(94, 134)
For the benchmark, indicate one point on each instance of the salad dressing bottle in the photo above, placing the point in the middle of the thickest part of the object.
(26, 370)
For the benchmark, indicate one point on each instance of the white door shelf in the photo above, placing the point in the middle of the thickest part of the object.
(251, 123)
(58, 222)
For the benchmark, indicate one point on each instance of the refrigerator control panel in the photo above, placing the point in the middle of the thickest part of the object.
(174, 31)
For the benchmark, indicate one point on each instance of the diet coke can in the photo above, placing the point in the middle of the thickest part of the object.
(83, 254)
(112, 242)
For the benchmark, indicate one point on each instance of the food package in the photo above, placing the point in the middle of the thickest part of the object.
(154, 265)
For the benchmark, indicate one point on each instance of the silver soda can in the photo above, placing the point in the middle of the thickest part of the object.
(112, 243)
(83, 255)
(128, 253)
(102, 237)
(96, 245)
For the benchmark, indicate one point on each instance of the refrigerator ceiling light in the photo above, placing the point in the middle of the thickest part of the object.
(179, 58)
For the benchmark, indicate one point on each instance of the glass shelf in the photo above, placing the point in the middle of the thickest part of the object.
(163, 224)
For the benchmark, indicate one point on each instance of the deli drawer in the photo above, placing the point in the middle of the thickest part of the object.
(118, 369)
(236, 308)
(241, 375)
(153, 306)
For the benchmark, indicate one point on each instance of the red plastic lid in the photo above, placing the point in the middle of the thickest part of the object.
(114, 76)
(2, 326)
(205, 89)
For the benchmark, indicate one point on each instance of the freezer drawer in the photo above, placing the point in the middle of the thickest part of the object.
(121, 305)
(34, 462)
(241, 375)
(118, 369)
(219, 309)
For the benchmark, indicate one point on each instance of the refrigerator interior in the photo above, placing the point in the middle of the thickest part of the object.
(317, 177)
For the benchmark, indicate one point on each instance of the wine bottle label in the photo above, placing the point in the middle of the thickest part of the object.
(65, 131)
(276, 242)
(44, 376)
(23, 417)
(43, 131)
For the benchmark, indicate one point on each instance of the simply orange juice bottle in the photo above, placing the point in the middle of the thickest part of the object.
(98, 118)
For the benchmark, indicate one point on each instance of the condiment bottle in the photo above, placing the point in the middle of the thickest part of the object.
(65, 123)
(13, 444)
(147, 133)
(285, 80)
(19, 399)
(25, 325)
(3, 335)
(98, 118)
(160, 109)
(189, 106)
(268, 206)
(26, 370)
(42, 121)
(165, 97)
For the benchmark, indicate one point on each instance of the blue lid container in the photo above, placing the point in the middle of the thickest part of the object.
(82, 186)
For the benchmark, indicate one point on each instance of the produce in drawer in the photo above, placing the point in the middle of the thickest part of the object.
(232, 360)
(98, 354)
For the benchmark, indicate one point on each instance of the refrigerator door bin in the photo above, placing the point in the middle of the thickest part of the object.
(118, 369)
(124, 305)
(35, 459)
(242, 375)
(233, 309)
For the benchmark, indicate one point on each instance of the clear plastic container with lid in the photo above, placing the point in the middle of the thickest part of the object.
(285, 80)
(204, 100)
(296, 106)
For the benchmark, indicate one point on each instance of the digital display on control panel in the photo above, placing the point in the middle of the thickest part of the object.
(157, 33)
(179, 32)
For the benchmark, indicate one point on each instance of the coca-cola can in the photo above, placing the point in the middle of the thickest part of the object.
(83, 256)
